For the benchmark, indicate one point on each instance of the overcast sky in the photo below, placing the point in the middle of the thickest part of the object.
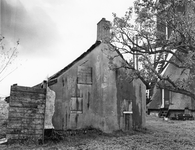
(52, 33)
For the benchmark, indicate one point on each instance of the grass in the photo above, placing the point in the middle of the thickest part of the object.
(159, 135)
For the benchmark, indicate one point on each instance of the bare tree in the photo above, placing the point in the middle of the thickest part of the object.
(7, 57)
(156, 34)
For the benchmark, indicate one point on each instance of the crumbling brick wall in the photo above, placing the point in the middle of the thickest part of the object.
(26, 114)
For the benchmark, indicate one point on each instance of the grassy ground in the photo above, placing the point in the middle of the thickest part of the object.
(159, 135)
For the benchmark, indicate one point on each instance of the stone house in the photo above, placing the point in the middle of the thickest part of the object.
(91, 94)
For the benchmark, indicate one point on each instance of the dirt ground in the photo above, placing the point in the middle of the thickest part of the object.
(158, 135)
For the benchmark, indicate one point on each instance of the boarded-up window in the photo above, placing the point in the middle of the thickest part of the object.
(76, 104)
(84, 75)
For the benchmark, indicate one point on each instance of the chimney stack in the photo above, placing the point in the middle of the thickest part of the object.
(103, 30)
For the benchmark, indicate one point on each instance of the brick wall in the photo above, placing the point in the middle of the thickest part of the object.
(26, 114)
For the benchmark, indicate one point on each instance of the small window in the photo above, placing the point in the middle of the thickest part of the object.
(84, 75)
(76, 104)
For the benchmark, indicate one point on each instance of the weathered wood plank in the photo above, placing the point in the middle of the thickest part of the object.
(23, 136)
(14, 119)
(34, 115)
(33, 96)
(14, 131)
(12, 136)
(33, 120)
(17, 126)
(32, 126)
(28, 89)
(28, 99)
(18, 115)
(25, 110)
(26, 104)
(20, 124)
(30, 118)
(25, 131)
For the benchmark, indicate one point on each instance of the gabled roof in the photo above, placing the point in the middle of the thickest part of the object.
(97, 43)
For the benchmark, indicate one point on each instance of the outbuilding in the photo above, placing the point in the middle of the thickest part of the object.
(90, 92)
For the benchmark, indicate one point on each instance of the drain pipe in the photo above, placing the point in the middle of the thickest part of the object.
(163, 98)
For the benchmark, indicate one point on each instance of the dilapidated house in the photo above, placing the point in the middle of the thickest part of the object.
(91, 94)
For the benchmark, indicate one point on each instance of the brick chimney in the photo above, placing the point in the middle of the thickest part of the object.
(103, 30)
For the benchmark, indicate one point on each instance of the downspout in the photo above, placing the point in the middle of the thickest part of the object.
(167, 31)
(163, 99)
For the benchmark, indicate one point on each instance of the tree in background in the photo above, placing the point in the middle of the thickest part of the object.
(7, 57)
(155, 34)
